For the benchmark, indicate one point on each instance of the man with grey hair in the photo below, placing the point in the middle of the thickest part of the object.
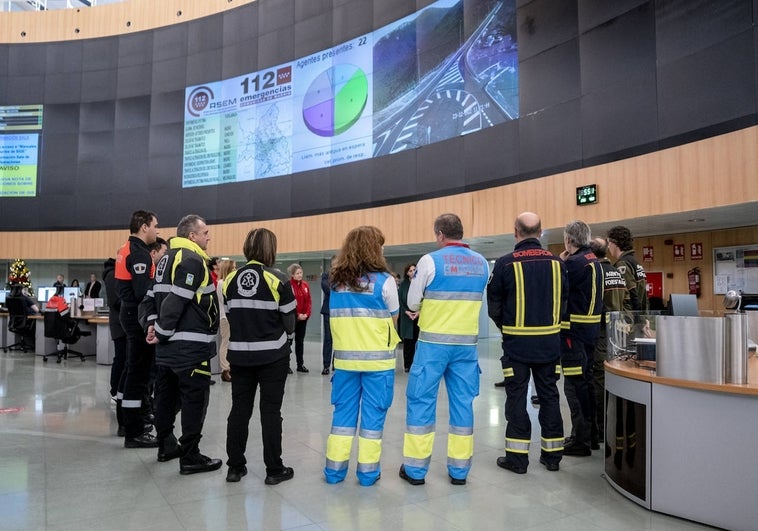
(579, 329)
(181, 317)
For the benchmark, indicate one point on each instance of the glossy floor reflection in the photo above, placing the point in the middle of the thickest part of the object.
(62, 467)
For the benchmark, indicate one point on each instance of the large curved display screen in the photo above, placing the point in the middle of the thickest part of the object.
(444, 71)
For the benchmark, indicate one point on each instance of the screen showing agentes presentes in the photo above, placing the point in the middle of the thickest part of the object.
(444, 71)
(19, 149)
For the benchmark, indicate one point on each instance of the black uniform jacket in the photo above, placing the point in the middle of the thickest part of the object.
(526, 297)
(585, 298)
(260, 307)
(182, 306)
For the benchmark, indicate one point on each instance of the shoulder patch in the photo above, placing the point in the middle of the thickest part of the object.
(621, 268)
(247, 282)
(190, 279)
(139, 269)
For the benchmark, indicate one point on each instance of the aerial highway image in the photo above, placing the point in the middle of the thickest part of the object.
(446, 71)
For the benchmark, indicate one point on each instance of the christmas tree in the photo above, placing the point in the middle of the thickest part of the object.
(19, 274)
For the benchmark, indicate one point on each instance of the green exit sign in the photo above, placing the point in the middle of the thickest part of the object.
(586, 195)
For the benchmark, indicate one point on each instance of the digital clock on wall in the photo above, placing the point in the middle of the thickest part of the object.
(586, 195)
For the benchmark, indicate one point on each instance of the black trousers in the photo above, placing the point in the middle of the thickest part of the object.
(579, 389)
(119, 361)
(271, 379)
(190, 386)
(598, 385)
(327, 348)
(299, 340)
(519, 426)
(409, 351)
(139, 359)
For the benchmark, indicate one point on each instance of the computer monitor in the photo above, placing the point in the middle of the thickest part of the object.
(3, 294)
(70, 292)
(683, 305)
(44, 293)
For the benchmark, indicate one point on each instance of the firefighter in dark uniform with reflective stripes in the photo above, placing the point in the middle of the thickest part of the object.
(579, 329)
(181, 316)
(526, 297)
(260, 306)
(134, 277)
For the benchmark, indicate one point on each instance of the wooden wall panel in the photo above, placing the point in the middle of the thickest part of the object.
(658, 183)
(106, 20)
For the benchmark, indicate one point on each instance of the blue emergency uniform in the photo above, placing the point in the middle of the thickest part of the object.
(526, 298)
(364, 339)
(451, 282)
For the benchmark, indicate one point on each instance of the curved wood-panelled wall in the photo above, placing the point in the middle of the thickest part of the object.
(718, 171)
(107, 20)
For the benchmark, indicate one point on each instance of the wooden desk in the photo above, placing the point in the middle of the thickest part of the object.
(698, 444)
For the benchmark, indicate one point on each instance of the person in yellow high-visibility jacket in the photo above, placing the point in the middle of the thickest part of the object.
(363, 308)
(447, 288)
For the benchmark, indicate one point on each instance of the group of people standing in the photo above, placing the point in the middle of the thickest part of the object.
(551, 311)
(548, 308)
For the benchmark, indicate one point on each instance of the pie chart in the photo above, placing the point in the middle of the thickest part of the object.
(335, 100)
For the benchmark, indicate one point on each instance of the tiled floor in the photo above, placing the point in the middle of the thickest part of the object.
(62, 467)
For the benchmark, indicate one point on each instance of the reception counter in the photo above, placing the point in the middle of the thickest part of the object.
(682, 447)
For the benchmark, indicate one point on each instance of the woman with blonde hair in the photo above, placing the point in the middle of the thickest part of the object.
(225, 266)
(363, 308)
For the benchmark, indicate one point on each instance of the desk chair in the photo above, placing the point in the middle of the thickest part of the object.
(66, 330)
(19, 324)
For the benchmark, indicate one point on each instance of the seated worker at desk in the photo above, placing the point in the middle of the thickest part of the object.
(58, 304)
(30, 305)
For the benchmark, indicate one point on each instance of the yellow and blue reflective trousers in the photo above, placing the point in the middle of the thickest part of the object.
(372, 393)
(459, 366)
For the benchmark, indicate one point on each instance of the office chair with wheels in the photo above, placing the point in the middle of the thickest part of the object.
(66, 330)
(19, 324)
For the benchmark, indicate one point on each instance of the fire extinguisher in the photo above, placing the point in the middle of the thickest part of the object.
(693, 277)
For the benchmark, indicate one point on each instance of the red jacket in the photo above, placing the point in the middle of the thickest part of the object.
(57, 303)
(302, 296)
